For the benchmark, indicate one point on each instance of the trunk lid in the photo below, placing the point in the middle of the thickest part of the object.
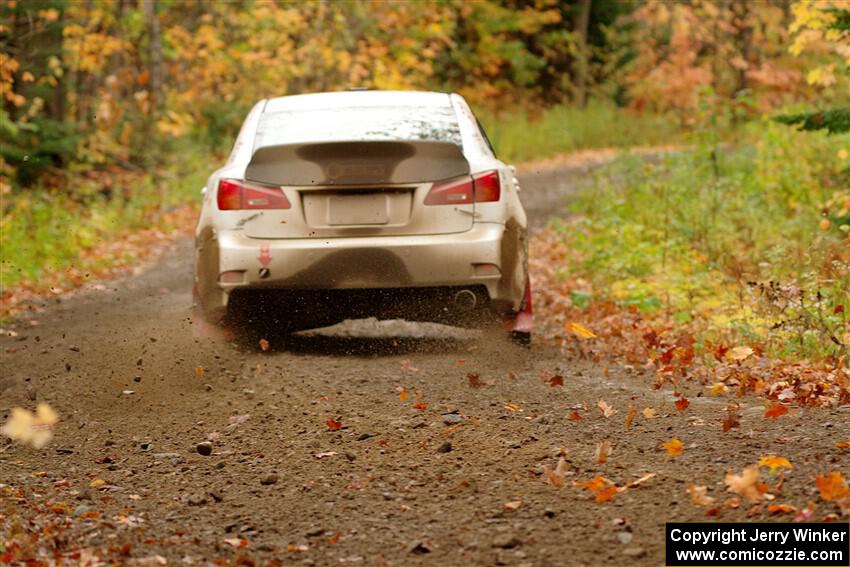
(366, 188)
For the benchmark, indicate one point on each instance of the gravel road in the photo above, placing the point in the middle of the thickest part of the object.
(450, 476)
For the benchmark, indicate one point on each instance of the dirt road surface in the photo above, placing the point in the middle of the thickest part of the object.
(450, 476)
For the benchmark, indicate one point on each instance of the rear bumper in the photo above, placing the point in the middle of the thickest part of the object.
(471, 258)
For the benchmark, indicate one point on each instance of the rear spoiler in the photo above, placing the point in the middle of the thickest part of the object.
(338, 163)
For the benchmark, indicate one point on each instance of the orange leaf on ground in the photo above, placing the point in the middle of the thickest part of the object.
(774, 463)
(607, 494)
(649, 413)
(739, 353)
(402, 393)
(745, 484)
(842, 445)
(699, 495)
(781, 509)
(630, 417)
(264, 345)
(513, 505)
(199, 371)
(603, 449)
(641, 480)
(420, 406)
(574, 416)
(775, 410)
(733, 418)
(682, 403)
(556, 477)
(718, 388)
(832, 486)
(474, 380)
(674, 447)
(333, 425)
(606, 410)
(600, 488)
(579, 330)
(512, 407)
(553, 379)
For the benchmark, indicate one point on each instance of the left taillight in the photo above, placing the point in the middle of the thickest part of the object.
(235, 194)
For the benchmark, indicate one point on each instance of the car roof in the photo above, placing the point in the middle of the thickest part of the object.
(353, 99)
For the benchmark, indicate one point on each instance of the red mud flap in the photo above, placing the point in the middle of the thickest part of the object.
(201, 327)
(521, 324)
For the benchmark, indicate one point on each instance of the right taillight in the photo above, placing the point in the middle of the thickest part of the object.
(487, 187)
(235, 194)
(479, 188)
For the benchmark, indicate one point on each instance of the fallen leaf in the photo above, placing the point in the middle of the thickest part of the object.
(600, 487)
(579, 330)
(553, 379)
(334, 539)
(607, 494)
(739, 353)
(699, 495)
(641, 480)
(745, 484)
(574, 416)
(264, 345)
(774, 463)
(333, 425)
(513, 505)
(420, 406)
(606, 410)
(402, 393)
(199, 371)
(674, 447)
(718, 389)
(682, 403)
(775, 410)
(630, 417)
(603, 450)
(832, 486)
(97, 483)
(296, 547)
(842, 445)
(474, 380)
(236, 542)
(781, 509)
(512, 407)
(556, 477)
(733, 418)
(649, 413)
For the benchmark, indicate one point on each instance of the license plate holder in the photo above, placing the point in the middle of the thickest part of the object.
(357, 209)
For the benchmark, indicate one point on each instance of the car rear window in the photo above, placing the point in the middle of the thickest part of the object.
(436, 123)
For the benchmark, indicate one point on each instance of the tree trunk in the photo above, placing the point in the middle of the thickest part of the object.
(581, 21)
(154, 56)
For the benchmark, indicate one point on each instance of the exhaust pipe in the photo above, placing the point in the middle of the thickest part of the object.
(465, 300)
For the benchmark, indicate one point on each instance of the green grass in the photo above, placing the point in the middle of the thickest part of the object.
(518, 137)
(49, 231)
(753, 245)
